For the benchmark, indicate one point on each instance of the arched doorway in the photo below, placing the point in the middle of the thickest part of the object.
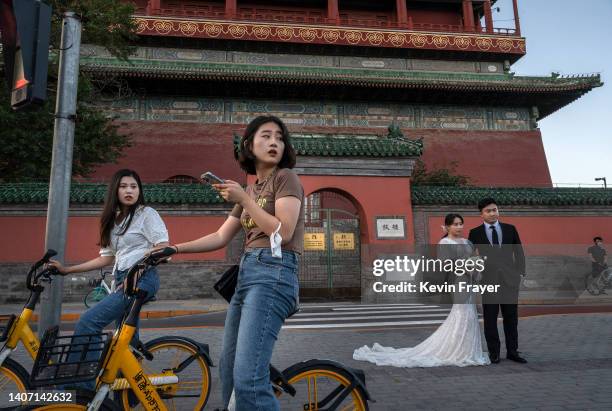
(331, 264)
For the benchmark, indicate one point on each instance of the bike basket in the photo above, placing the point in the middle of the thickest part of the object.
(6, 321)
(69, 359)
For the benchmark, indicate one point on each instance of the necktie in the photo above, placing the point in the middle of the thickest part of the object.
(494, 235)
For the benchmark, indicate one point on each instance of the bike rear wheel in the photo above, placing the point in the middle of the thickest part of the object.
(188, 364)
(321, 386)
(95, 296)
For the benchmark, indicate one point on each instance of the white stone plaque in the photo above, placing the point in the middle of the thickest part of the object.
(390, 228)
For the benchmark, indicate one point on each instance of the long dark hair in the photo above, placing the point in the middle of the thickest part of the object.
(245, 155)
(450, 219)
(112, 205)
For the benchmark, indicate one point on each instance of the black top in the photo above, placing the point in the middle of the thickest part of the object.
(505, 263)
(598, 253)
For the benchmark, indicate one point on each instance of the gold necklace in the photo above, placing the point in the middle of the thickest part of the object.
(267, 178)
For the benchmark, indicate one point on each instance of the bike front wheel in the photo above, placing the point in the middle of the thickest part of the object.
(323, 386)
(182, 359)
(95, 296)
(13, 379)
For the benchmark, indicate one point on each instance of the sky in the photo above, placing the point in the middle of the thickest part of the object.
(570, 37)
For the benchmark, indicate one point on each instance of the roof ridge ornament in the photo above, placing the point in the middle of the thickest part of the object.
(395, 132)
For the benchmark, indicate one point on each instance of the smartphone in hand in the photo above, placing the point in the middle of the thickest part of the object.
(210, 178)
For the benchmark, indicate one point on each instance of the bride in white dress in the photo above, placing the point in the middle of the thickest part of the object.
(457, 342)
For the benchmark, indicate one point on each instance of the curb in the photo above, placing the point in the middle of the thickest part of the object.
(143, 315)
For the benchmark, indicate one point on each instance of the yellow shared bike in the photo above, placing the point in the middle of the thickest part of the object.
(14, 330)
(322, 385)
(178, 367)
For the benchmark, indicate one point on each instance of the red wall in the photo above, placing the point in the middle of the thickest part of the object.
(490, 158)
(372, 196)
(162, 150)
(566, 235)
(23, 238)
(435, 17)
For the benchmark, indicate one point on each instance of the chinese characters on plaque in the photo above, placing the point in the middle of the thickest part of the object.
(344, 241)
(314, 241)
(392, 228)
(341, 241)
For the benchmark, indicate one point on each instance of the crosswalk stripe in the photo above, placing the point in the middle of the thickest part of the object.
(371, 317)
(309, 305)
(384, 309)
(331, 314)
(362, 325)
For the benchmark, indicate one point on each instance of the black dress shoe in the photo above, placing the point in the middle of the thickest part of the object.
(494, 358)
(516, 358)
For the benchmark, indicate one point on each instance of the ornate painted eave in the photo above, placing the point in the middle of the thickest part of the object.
(512, 46)
(547, 93)
(469, 196)
(344, 76)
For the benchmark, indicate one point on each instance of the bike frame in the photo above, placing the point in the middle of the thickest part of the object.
(121, 359)
(22, 332)
(108, 289)
(112, 287)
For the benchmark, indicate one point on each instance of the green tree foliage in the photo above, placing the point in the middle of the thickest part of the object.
(420, 174)
(105, 22)
(27, 136)
(27, 140)
(439, 176)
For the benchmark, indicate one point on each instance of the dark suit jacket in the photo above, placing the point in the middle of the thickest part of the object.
(504, 265)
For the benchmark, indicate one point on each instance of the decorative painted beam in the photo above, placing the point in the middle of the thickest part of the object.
(286, 33)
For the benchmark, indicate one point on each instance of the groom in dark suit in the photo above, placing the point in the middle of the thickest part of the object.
(501, 247)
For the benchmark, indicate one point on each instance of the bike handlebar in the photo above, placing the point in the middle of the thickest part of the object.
(154, 258)
(49, 271)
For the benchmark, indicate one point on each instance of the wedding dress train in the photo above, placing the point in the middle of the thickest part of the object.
(457, 342)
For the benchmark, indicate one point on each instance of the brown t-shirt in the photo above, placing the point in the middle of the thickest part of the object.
(282, 184)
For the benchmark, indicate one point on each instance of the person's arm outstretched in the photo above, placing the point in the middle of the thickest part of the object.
(214, 241)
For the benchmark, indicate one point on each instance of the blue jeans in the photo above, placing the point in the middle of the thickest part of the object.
(266, 294)
(111, 308)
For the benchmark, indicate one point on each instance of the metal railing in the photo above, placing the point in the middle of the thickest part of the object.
(313, 17)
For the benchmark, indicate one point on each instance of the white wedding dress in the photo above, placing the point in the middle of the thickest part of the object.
(457, 342)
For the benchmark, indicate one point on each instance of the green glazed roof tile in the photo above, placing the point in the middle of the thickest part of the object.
(88, 193)
(352, 146)
(362, 76)
(436, 195)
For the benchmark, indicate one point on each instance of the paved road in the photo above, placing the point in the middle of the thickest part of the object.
(570, 366)
(355, 316)
(326, 316)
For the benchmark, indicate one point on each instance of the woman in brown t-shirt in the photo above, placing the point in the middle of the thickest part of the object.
(267, 289)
